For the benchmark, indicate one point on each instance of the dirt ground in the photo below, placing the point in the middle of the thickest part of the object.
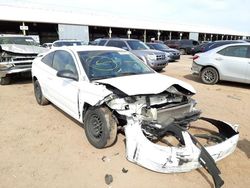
(43, 147)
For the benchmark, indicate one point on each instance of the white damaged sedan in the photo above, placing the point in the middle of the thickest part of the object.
(109, 89)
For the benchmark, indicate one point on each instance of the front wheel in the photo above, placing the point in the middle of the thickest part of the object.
(4, 80)
(182, 51)
(100, 127)
(39, 94)
(209, 75)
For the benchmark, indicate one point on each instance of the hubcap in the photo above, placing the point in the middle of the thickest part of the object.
(209, 76)
(96, 128)
(38, 92)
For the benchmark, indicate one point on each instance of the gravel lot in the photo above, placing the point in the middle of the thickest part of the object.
(43, 147)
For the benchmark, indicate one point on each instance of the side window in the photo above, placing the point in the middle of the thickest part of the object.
(195, 43)
(234, 51)
(118, 44)
(48, 59)
(102, 42)
(64, 61)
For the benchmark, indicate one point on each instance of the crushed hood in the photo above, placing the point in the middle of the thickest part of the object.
(23, 49)
(153, 83)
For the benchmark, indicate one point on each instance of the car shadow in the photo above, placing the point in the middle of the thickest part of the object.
(192, 77)
(68, 116)
(222, 83)
(205, 177)
(81, 124)
(21, 79)
(244, 145)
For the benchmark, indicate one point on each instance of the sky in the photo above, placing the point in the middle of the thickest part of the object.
(231, 14)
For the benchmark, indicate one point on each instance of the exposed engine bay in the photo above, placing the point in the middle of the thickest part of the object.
(159, 132)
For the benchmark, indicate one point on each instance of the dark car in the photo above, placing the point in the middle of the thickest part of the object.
(184, 45)
(174, 54)
(199, 48)
(211, 45)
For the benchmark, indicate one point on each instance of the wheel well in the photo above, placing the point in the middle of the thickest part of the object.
(85, 108)
(34, 78)
(120, 119)
(211, 67)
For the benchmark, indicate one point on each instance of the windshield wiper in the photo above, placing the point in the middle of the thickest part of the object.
(102, 77)
(128, 73)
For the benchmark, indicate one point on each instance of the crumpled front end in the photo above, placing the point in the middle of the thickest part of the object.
(160, 134)
(17, 58)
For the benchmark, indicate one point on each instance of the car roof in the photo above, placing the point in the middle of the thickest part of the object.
(119, 39)
(228, 45)
(90, 48)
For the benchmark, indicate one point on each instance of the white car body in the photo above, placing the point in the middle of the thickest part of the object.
(229, 67)
(151, 104)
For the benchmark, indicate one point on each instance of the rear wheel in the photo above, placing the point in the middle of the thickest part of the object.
(182, 51)
(100, 127)
(209, 75)
(4, 80)
(39, 95)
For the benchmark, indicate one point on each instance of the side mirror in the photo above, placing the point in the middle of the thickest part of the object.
(67, 74)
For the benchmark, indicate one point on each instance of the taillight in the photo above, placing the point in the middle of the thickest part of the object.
(195, 57)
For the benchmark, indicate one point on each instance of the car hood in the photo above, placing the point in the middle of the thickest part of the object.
(171, 50)
(152, 83)
(23, 49)
(147, 52)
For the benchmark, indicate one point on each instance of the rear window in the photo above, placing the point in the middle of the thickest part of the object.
(48, 59)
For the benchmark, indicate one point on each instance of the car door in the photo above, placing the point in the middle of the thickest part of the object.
(63, 91)
(45, 71)
(233, 63)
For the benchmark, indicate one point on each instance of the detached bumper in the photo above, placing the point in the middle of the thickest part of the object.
(192, 155)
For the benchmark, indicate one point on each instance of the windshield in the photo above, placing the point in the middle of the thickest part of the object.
(107, 64)
(137, 45)
(159, 46)
(18, 40)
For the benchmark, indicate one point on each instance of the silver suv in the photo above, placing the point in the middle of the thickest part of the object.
(154, 58)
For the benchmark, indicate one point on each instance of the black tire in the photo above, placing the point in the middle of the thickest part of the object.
(39, 94)
(100, 127)
(209, 75)
(182, 51)
(5, 80)
(159, 70)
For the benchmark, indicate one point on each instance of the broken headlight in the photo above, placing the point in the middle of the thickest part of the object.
(130, 99)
